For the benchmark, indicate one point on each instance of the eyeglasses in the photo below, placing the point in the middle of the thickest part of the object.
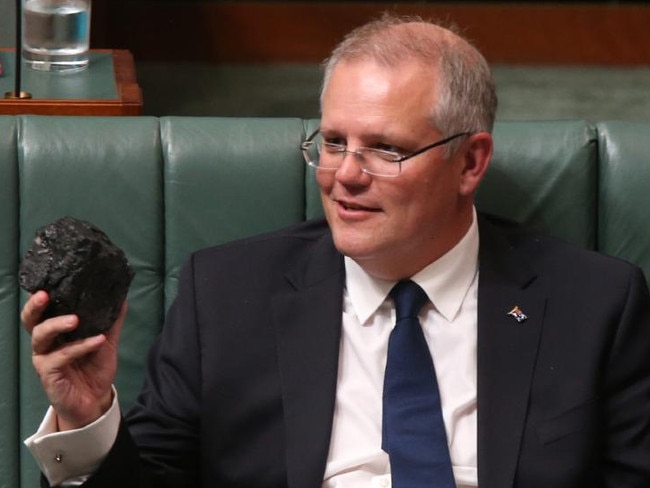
(328, 156)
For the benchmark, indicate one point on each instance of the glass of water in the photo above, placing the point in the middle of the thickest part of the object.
(56, 34)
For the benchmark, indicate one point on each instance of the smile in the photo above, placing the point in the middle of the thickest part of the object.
(352, 207)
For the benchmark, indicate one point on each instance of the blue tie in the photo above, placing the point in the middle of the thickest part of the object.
(413, 428)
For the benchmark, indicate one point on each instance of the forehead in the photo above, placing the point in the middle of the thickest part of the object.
(367, 93)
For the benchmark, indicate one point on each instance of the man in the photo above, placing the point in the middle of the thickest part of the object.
(270, 369)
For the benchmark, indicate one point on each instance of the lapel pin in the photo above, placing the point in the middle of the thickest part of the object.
(518, 315)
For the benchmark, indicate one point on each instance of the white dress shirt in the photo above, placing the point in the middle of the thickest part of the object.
(355, 459)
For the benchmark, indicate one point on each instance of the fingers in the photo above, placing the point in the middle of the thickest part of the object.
(59, 358)
(46, 336)
(33, 309)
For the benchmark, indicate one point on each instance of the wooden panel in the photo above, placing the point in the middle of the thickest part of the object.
(128, 101)
(250, 32)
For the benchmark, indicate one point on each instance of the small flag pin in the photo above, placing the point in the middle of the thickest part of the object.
(518, 315)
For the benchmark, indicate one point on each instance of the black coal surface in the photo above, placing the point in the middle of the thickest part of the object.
(83, 272)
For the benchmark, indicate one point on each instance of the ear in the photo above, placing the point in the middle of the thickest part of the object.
(476, 159)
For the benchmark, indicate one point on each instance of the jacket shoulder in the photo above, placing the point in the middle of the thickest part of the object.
(548, 254)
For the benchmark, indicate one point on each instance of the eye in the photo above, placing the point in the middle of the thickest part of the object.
(333, 140)
(332, 148)
(388, 152)
(385, 147)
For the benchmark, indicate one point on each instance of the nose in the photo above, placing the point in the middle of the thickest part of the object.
(350, 172)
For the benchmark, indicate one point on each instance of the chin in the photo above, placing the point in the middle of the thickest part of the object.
(355, 239)
(355, 246)
(349, 246)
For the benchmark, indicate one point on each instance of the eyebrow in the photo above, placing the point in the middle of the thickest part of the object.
(372, 136)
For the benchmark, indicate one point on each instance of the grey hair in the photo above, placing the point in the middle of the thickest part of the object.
(466, 98)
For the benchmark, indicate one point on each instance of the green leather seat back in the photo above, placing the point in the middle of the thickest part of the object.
(544, 174)
(9, 323)
(106, 171)
(228, 178)
(624, 218)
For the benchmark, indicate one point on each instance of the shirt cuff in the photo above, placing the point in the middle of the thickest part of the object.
(72, 456)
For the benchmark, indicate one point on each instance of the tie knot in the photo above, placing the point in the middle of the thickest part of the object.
(409, 299)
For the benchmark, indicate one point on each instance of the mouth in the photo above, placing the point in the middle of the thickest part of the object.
(355, 207)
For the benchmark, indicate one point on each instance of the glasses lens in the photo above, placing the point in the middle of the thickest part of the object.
(378, 162)
(329, 156)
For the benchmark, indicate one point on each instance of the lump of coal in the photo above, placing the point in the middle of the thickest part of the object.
(83, 272)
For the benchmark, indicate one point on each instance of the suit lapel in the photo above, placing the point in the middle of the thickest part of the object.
(307, 318)
(507, 350)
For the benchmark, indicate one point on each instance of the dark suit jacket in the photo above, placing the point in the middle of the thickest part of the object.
(240, 386)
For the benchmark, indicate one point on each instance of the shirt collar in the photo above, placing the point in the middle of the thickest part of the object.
(445, 281)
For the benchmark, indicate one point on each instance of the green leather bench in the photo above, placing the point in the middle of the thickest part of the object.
(162, 187)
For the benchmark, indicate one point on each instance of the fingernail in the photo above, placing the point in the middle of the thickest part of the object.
(70, 320)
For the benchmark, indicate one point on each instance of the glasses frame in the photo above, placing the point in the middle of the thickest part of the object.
(341, 149)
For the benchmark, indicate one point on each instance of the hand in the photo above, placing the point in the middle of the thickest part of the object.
(78, 376)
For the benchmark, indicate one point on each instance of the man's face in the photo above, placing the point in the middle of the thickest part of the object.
(391, 226)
